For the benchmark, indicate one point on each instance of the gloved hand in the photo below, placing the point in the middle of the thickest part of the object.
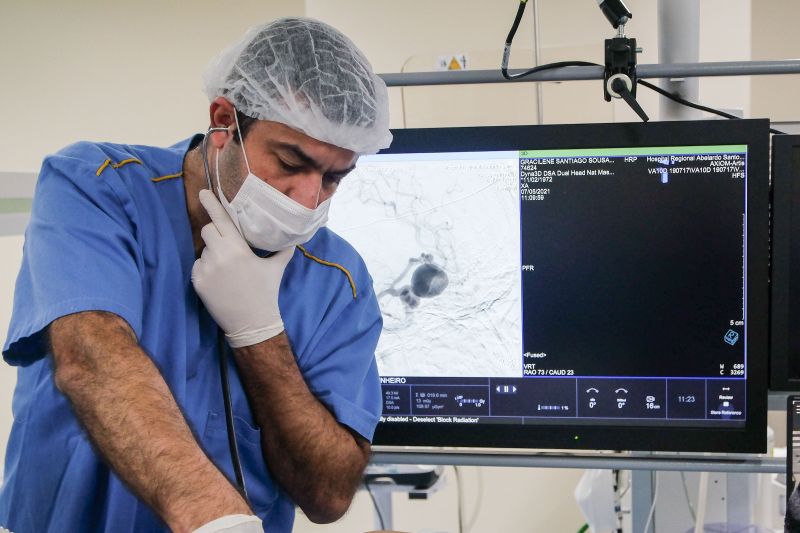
(233, 523)
(238, 288)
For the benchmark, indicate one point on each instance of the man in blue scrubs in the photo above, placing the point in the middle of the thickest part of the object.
(135, 255)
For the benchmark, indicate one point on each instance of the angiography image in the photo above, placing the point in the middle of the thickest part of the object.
(427, 281)
(440, 236)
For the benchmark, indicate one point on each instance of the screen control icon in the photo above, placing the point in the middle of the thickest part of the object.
(651, 403)
(461, 400)
(621, 398)
(731, 337)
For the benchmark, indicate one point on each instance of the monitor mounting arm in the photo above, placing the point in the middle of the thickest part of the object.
(619, 78)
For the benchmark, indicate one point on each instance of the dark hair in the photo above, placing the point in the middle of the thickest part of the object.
(244, 124)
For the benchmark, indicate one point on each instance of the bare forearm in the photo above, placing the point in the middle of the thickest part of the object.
(317, 461)
(129, 412)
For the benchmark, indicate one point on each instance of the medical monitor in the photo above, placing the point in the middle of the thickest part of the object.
(600, 286)
(785, 275)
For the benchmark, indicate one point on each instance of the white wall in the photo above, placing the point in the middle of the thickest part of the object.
(408, 37)
(511, 500)
(130, 72)
(116, 71)
(11, 254)
(775, 36)
(725, 35)
(126, 72)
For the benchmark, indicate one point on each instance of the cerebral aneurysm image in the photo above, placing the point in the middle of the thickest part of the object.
(441, 241)
(427, 281)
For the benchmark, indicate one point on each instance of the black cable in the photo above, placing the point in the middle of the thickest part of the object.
(548, 66)
(682, 101)
(517, 20)
(375, 504)
(615, 473)
(560, 64)
(687, 103)
(507, 52)
(226, 400)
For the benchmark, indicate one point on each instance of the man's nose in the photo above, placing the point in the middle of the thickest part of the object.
(306, 189)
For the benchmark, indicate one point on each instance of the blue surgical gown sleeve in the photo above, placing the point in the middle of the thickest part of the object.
(340, 368)
(80, 251)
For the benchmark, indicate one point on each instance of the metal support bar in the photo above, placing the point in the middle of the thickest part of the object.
(679, 42)
(776, 401)
(537, 59)
(740, 499)
(684, 463)
(641, 500)
(676, 70)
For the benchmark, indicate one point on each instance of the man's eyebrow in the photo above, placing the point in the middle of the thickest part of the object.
(307, 159)
(299, 154)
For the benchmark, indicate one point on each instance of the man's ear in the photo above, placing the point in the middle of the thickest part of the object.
(222, 114)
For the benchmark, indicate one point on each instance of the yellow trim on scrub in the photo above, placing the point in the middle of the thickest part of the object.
(122, 163)
(334, 265)
(102, 167)
(125, 162)
(167, 177)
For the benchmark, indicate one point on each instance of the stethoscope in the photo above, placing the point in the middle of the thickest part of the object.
(221, 346)
(222, 350)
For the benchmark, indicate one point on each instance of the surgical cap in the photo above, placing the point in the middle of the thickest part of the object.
(309, 76)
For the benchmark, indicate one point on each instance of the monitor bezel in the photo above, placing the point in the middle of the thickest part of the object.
(785, 223)
(751, 437)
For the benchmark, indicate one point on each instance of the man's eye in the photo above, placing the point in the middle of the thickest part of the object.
(292, 169)
(332, 179)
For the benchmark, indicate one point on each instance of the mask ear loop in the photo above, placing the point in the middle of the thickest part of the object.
(318, 193)
(241, 141)
(247, 163)
(205, 154)
(221, 193)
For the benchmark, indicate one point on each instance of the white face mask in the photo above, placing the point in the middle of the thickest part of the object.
(267, 218)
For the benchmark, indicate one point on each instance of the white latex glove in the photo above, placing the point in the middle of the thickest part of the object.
(238, 288)
(233, 523)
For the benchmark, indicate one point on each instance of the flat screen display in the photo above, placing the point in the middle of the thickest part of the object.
(576, 286)
(785, 301)
(792, 454)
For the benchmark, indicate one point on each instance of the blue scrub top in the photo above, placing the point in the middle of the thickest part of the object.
(109, 231)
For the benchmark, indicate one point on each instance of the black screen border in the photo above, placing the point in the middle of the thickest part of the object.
(785, 223)
(791, 402)
(752, 437)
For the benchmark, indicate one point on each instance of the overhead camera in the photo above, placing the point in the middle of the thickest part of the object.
(615, 11)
